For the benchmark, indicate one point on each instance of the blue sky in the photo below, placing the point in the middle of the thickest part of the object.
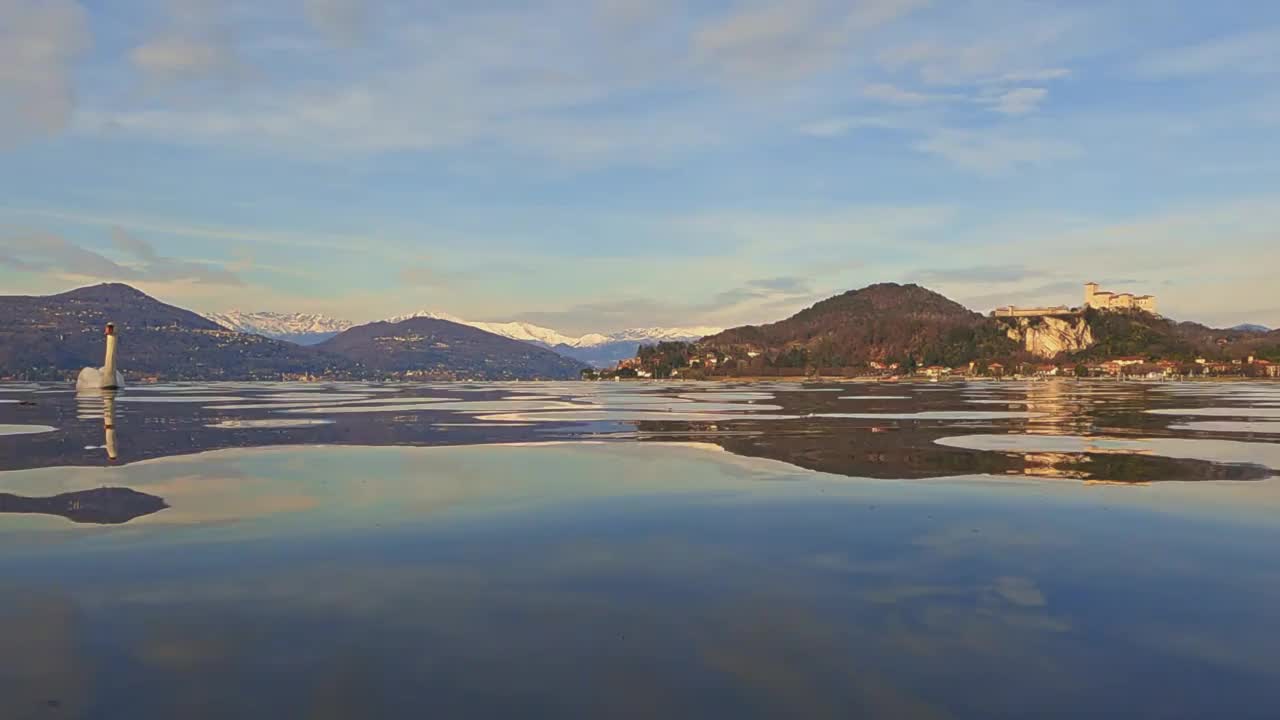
(593, 166)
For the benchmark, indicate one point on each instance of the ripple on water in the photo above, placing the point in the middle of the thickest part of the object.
(436, 404)
(317, 396)
(623, 399)
(938, 415)
(727, 395)
(179, 398)
(1254, 412)
(269, 423)
(626, 416)
(1236, 426)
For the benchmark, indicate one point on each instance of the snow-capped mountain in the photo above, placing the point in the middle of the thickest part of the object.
(595, 348)
(300, 328)
(527, 332)
(598, 349)
(546, 336)
(656, 334)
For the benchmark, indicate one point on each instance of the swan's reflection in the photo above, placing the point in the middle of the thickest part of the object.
(102, 404)
(109, 424)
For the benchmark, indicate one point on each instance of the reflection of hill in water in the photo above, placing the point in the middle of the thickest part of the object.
(858, 431)
(99, 506)
(879, 452)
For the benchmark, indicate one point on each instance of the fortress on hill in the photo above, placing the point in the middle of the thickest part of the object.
(1093, 298)
(1104, 300)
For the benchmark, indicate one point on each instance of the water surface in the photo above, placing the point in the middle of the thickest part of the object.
(649, 550)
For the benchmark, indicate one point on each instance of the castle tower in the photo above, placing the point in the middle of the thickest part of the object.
(1090, 289)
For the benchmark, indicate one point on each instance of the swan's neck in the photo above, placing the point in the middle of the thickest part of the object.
(109, 366)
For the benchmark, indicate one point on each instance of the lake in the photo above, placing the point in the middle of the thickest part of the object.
(542, 550)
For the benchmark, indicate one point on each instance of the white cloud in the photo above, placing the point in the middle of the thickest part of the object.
(1251, 53)
(52, 255)
(1007, 47)
(777, 40)
(1018, 101)
(175, 57)
(991, 153)
(343, 22)
(196, 44)
(843, 125)
(40, 41)
(897, 96)
(1041, 75)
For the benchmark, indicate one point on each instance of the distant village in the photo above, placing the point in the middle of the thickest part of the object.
(688, 361)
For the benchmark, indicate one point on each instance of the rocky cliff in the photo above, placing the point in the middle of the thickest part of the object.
(1047, 336)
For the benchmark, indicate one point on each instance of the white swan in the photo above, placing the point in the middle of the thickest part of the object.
(105, 377)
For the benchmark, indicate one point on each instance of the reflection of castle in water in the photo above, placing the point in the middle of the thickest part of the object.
(100, 506)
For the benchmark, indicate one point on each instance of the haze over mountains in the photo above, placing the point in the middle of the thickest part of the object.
(599, 349)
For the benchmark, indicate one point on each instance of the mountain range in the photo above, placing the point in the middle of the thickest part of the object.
(54, 336)
(298, 328)
(598, 349)
(48, 337)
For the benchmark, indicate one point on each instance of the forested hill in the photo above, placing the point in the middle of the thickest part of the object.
(440, 348)
(884, 323)
(915, 327)
(46, 337)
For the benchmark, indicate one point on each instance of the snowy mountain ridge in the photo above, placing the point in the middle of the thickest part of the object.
(595, 348)
(301, 328)
(546, 336)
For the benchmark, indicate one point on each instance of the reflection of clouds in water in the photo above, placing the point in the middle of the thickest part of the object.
(25, 429)
(705, 591)
(43, 669)
(1020, 591)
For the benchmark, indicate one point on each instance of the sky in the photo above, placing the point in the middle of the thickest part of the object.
(592, 166)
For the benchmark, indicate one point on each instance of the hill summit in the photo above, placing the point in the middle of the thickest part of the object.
(431, 347)
(886, 323)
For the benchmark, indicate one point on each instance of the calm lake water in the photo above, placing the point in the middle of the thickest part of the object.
(981, 550)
